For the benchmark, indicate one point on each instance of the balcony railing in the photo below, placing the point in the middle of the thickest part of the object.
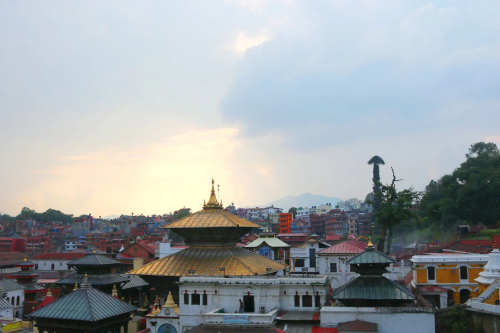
(232, 317)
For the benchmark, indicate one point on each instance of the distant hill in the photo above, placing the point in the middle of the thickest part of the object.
(302, 200)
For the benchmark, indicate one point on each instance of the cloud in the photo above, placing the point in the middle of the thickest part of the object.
(370, 72)
(244, 42)
(492, 138)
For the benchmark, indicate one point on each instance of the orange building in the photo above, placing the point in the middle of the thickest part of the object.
(285, 223)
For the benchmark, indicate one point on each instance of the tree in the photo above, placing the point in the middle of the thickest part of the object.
(394, 208)
(26, 213)
(376, 161)
(456, 319)
(350, 204)
(293, 210)
(471, 192)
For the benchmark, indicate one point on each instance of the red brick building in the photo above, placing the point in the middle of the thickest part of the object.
(141, 250)
(12, 245)
(285, 223)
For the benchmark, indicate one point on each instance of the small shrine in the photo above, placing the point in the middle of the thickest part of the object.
(48, 299)
(165, 318)
(371, 288)
(101, 272)
(84, 310)
(269, 246)
(25, 278)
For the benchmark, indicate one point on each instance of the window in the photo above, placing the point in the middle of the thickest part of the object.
(312, 257)
(195, 299)
(300, 263)
(205, 299)
(18, 300)
(307, 301)
(464, 274)
(333, 267)
(352, 268)
(297, 301)
(431, 273)
(317, 301)
(186, 299)
(12, 300)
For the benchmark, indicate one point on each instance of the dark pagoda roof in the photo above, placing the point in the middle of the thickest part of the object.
(24, 274)
(372, 288)
(95, 279)
(84, 304)
(135, 282)
(25, 263)
(371, 256)
(94, 259)
(10, 284)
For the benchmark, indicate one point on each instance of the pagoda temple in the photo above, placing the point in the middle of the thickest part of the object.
(101, 273)
(371, 288)
(84, 310)
(212, 234)
(25, 278)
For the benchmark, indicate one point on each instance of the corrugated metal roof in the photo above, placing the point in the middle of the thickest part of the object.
(372, 287)
(135, 282)
(211, 218)
(206, 260)
(8, 285)
(4, 304)
(84, 304)
(95, 279)
(94, 259)
(350, 246)
(371, 256)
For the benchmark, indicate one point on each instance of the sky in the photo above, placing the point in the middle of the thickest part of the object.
(118, 107)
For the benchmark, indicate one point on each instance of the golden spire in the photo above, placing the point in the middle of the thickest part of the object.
(169, 303)
(114, 292)
(25, 258)
(495, 245)
(76, 287)
(94, 251)
(369, 242)
(212, 202)
(49, 293)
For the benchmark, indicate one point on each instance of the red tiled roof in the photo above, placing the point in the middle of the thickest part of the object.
(15, 255)
(317, 329)
(350, 246)
(147, 246)
(46, 301)
(357, 326)
(471, 246)
(58, 256)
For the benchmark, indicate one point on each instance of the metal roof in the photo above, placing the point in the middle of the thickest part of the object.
(371, 256)
(272, 242)
(94, 259)
(84, 304)
(350, 246)
(95, 279)
(372, 287)
(357, 326)
(135, 282)
(9, 284)
(211, 218)
(4, 304)
(207, 260)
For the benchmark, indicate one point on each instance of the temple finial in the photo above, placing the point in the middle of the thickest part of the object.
(94, 251)
(76, 287)
(114, 292)
(25, 258)
(212, 202)
(49, 293)
(495, 245)
(369, 242)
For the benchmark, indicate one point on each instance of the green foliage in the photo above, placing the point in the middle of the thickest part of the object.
(470, 193)
(456, 319)
(394, 207)
(293, 210)
(50, 215)
(344, 238)
(489, 233)
(183, 212)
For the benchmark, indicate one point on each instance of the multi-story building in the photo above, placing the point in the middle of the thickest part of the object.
(12, 245)
(321, 210)
(258, 214)
(447, 278)
(317, 223)
(364, 224)
(304, 256)
(302, 214)
(285, 220)
(352, 226)
(38, 244)
(54, 261)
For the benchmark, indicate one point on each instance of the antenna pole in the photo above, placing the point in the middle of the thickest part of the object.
(218, 196)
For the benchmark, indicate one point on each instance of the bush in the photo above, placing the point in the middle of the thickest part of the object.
(456, 319)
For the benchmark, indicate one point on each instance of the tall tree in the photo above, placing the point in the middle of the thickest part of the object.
(350, 204)
(471, 192)
(293, 210)
(394, 208)
(375, 161)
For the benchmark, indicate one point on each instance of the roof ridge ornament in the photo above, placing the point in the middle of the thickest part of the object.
(76, 287)
(369, 242)
(212, 201)
(85, 283)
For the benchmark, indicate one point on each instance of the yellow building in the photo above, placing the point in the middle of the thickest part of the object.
(442, 276)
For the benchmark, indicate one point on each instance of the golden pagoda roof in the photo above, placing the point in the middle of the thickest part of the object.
(213, 215)
(207, 261)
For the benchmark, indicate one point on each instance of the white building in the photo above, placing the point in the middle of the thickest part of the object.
(333, 261)
(305, 258)
(302, 214)
(54, 261)
(261, 213)
(166, 249)
(70, 245)
(216, 300)
(13, 293)
(321, 209)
